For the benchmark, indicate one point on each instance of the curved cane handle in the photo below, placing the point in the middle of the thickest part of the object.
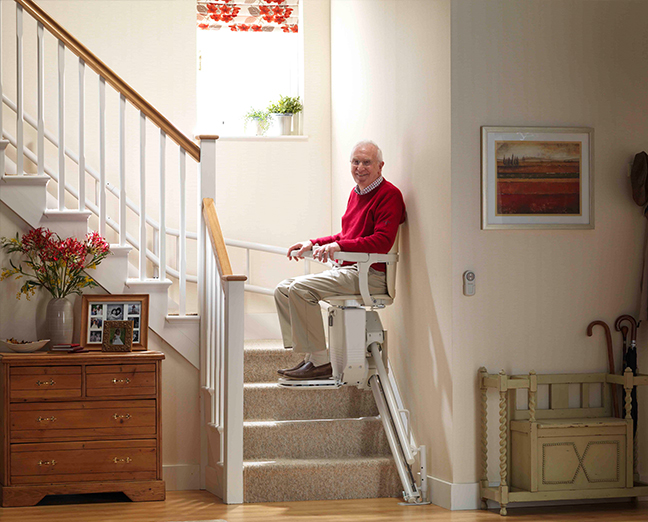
(633, 325)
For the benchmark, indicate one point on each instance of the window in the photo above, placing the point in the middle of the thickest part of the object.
(249, 55)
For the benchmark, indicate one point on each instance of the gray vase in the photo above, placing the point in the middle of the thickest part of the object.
(60, 321)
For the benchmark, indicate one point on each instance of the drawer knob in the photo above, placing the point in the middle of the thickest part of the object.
(46, 462)
(125, 416)
(46, 383)
(125, 460)
(46, 419)
(121, 381)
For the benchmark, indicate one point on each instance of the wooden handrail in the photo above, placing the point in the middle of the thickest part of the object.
(218, 242)
(111, 77)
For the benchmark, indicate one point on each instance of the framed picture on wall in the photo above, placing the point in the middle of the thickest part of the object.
(97, 310)
(537, 177)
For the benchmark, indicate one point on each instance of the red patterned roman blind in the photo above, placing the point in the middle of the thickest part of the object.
(249, 15)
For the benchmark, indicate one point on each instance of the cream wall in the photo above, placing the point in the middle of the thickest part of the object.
(545, 63)
(390, 69)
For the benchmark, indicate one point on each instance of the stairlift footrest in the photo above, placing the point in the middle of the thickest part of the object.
(328, 384)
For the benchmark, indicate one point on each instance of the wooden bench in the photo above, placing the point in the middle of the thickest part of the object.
(563, 451)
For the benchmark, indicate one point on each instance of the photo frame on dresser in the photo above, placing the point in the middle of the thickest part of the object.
(99, 309)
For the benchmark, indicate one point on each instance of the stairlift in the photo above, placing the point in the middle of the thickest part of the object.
(358, 353)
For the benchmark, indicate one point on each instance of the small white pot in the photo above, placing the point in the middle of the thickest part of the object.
(284, 123)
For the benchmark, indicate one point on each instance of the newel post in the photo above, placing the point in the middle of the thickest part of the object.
(207, 183)
(207, 189)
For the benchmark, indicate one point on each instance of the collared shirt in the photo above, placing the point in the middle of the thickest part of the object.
(368, 189)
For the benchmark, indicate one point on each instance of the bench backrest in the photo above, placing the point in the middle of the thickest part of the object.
(556, 390)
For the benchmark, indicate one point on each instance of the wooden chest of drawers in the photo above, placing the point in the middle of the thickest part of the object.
(82, 423)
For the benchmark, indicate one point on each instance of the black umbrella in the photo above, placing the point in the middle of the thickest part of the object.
(630, 361)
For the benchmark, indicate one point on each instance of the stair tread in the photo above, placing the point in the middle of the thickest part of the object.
(286, 461)
(261, 423)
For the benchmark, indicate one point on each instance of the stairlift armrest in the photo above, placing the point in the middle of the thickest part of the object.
(364, 257)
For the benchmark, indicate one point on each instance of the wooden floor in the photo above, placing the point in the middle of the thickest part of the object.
(182, 506)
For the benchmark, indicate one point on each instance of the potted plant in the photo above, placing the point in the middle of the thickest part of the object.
(261, 121)
(59, 266)
(283, 112)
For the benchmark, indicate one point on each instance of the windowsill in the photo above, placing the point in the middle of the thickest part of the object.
(263, 138)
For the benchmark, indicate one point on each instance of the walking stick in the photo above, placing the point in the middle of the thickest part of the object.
(608, 339)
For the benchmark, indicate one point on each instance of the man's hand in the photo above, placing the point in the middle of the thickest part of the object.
(325, 252)
(303, 246)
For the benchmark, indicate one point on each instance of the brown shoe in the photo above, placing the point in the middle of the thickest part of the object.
(310, 371)
(284, 370)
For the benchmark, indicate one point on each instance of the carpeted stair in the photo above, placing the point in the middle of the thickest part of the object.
(310, 444)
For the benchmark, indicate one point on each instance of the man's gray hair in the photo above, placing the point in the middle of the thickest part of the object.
(362, 143)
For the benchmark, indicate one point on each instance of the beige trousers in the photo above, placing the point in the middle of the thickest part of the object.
(297, 301)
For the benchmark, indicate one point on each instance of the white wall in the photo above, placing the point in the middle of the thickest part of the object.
(545, 63)
(390, 69)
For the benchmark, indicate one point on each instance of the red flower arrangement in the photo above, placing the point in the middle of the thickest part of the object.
(59, 265)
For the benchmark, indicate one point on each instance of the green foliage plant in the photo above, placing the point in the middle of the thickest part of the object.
(286, 105)
(262, 117)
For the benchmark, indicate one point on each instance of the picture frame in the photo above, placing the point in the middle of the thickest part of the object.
(537, 178)
(96, 310)
(117, 336)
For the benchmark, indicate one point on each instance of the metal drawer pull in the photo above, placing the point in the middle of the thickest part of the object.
(118, 416)
(43, 419)
(46, 383)
(46, 462)
(125, 460)
(121, 381)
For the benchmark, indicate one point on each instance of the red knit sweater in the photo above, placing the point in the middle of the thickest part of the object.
(371, 221)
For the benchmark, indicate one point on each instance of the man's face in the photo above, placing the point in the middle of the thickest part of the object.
(365, 167)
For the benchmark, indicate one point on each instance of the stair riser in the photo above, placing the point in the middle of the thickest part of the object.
(273, 402)
(316, 439)
(278, 482)
(262, 366)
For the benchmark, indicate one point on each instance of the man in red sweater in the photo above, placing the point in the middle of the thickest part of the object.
(374, 212)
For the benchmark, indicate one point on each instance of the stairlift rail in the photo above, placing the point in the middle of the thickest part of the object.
(410, 492)
(391, 402)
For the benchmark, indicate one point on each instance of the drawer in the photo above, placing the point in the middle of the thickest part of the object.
(122, 380)
(82, 420)
(83, 461)
(44, 383)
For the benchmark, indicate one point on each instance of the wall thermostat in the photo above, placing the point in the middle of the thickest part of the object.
(469, 283)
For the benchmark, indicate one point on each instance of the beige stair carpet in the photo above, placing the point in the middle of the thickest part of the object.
(310, 444)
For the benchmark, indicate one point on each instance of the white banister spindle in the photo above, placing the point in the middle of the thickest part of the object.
(40, 45)
(61, 125)
(82, 192)
(183, 232)
(247, 262)
(156, 252)
(162, 234)
(122, 170)
(218, 347)
(102, 156)
(2, 173)
(20, 166)
(142, 216)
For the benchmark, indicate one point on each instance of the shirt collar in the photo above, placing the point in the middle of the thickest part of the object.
(368, 189)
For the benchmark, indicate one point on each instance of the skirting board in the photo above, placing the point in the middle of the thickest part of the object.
(181, 477)
(456, 497)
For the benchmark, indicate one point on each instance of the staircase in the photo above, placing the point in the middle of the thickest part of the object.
(260, 442)
(309, 444)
